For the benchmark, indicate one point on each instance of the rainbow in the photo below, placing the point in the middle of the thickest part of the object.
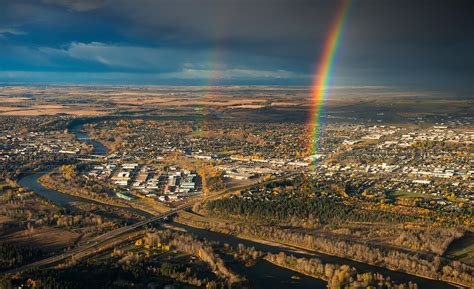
(214, 59)
(320, 87)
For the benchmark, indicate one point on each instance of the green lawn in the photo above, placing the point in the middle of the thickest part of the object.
(462, 249)
(404, 194)
(197, 132)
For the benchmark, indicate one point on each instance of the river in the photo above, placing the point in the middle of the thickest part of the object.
(263, 275)
(361, 267)
(98, 148)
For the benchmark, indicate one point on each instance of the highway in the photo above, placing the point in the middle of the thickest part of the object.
(109, 236)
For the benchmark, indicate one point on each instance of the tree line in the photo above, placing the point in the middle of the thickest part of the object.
(191, 245)
(338, 276)
(283, 207)
(12, 256)
(425, 265)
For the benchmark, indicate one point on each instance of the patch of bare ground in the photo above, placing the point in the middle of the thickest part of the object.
(4, 220)
(249, 106)
(46, 238)
(13, 99)
(48, 110)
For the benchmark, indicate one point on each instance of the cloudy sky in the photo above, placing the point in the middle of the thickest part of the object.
(426, 44)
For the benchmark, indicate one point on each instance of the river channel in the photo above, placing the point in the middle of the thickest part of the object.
(263, 275)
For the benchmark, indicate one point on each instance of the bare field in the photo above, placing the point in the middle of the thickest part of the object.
(13, 99)
(46, 238)
(4, 219)
(287, 103)
(36, 110)
(249, 106)
(186, 101)
(268, 102)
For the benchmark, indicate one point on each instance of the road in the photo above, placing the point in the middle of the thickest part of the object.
(109, 236)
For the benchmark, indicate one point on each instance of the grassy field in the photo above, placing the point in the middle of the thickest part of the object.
(405, 194)
(462, 249)
(150, 206)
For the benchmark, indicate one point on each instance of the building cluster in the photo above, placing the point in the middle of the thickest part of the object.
(142, 181)
(433, 162)
(245, 171)
(403, 137)
(17, 144)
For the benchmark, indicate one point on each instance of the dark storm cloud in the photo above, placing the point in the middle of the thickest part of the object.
(283, 21)
(385, 40)
(416, 22)
(257, 21)
(77, 5)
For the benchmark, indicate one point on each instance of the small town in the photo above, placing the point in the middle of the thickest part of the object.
(400, 160)
(374, 187)
(230, 144)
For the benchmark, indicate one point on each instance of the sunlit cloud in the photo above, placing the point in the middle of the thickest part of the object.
(4, 31)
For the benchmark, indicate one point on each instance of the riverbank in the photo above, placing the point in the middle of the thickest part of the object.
(203, 223)
(259, 274)
(48, 181)
(147, 206)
